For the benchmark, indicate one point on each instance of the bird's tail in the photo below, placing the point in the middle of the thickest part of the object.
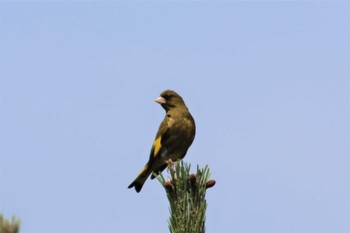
(140, 179)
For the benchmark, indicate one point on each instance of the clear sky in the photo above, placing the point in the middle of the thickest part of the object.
(268, 84)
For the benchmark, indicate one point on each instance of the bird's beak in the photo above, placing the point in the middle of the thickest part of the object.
(160, 100)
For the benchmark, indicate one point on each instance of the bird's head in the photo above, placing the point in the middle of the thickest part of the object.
(170, 99)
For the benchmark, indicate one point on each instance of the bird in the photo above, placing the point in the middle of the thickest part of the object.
(174, 137)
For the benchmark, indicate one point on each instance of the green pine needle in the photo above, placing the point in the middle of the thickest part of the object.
(186, 195)
(9, 226)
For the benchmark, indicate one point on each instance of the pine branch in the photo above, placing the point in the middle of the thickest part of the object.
(186, 195)
(9, 226)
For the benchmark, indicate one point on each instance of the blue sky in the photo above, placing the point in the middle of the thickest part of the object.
(268, 84)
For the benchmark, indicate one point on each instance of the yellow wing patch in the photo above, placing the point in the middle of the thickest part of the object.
(156, 146)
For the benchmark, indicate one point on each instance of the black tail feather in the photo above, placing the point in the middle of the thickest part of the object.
(158, 171)
(137, 185)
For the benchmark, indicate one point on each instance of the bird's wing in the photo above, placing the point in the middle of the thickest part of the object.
(162, 136)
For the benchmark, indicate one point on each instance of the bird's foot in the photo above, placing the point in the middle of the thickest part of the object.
(170, 168)
(170, 162)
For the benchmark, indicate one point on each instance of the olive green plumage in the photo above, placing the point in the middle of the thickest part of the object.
(175, 135)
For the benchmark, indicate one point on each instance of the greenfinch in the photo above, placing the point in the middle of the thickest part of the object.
(175, 135)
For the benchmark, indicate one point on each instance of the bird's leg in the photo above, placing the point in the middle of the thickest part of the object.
(169, 162)
(171, 166)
